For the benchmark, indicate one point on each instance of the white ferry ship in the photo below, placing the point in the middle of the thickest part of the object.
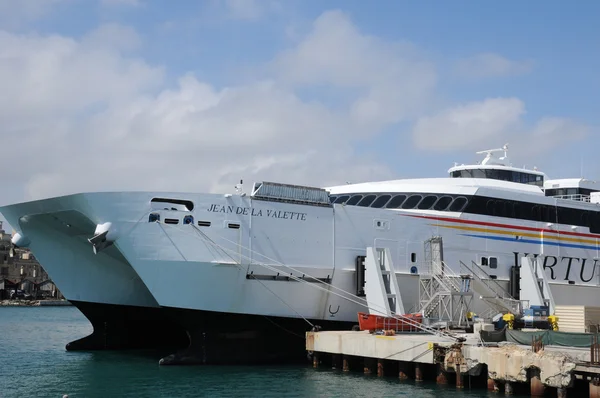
(238, 271)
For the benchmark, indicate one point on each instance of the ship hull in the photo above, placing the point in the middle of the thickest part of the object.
(125, 327)
(229, 338)
(106, 289)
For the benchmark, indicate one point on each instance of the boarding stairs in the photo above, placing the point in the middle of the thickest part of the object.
(381, 286)
(383, 294)
(444, 296)
(534, 284)
(491, 291)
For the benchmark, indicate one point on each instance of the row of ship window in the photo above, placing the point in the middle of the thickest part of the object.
(402, 201)
(187, 220)
(480, 205)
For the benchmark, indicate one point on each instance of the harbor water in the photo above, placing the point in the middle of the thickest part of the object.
(34, 363)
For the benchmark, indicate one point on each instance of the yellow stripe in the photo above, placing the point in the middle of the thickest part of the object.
(385, 337)
(518, 233)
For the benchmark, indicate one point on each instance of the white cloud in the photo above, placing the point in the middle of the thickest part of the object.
(393, 80)
(53, 76)
(492, 65)
(477, 125)
(90, 117)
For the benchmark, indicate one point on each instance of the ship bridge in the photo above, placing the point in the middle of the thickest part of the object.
(498, 168)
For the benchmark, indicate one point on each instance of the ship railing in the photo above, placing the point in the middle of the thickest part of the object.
(577, 197)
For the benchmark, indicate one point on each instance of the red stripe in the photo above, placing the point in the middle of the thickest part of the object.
(518, 227)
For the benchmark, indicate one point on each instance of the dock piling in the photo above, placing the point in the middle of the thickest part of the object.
(459, 378)
(441, 375)
(403, 370)
(491, 385)
(380, 368)
(536, 385)
(368, 366)
(508, 388)
(418, 372)
(595, 388)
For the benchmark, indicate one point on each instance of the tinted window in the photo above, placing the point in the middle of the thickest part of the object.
(367, 200)
(411, 202)
(380, 201)
(427, 202)
(354, 200)
(458, 204)
(493, 262)
(443, 203)
(342, 199)
(478, 173)
(490, 207)
(396, 202)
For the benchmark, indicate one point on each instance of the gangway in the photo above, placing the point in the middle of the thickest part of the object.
(491, 291)
(381, 285)
(534, 284)
(383, 295)
(445, 297)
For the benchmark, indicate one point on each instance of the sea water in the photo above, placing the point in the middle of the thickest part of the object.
(34, 363)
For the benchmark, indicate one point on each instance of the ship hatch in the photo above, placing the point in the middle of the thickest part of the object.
(171, 204)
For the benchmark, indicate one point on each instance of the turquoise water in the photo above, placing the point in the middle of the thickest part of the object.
(34, 363)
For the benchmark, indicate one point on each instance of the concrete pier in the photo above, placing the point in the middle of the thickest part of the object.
(505, 368)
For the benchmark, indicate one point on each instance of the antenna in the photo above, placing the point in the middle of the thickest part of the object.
(239, 188)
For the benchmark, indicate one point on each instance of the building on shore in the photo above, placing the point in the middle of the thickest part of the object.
(21, 274)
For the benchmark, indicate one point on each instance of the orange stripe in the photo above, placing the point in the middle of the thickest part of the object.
(517, 227)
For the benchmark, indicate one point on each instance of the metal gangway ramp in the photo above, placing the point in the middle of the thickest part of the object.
(445, 297)
(491, 291)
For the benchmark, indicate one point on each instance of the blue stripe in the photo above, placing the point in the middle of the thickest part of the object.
(533, 241)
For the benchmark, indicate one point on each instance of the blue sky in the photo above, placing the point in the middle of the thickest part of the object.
(194, 95)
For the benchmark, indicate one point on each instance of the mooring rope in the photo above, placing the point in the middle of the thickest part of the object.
(362, 302)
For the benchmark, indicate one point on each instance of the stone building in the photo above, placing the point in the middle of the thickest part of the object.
(19, 270)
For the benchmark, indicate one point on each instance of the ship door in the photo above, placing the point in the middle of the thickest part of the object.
(434, 255)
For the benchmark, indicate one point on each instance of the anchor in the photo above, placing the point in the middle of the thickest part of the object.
(333, 313)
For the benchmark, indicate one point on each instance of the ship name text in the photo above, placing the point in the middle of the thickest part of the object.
(583, 269)
(250, 211)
